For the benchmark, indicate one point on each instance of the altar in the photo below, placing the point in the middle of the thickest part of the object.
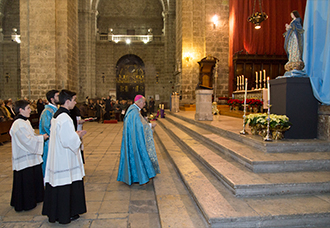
(260, 94)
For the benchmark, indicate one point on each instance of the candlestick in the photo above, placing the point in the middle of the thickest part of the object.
(264, 78)
(243, 132)
(237, 83)
(268, 89)
(260, 79)
(242, 81)
(256, 80)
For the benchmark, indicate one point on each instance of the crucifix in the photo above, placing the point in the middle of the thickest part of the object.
(103, 77)
(7, 77)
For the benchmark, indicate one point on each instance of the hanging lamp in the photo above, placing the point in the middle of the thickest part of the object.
(257, 17)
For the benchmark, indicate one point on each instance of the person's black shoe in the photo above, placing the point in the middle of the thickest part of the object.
(75, 217)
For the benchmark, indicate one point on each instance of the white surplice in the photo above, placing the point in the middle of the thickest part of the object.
(27, 147)
(64, 162)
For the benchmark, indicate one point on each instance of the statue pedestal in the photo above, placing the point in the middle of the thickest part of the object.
(204, 105)
(293, 97)
(175, 103)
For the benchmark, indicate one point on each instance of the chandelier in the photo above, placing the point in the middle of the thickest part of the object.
(257, 17)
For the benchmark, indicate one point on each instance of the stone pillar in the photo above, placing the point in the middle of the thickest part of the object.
(175, 103)
(49, 47)
(191, 32)
(38, 47)
(87, 46)
(204, 105)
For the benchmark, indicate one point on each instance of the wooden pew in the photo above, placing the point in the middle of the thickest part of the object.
(4, 130)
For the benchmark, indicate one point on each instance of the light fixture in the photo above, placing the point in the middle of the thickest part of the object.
(15, 37)
(257, 17)
(188, 57)
(215, 21)
(128, 41)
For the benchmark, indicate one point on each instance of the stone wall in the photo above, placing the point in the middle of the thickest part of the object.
(10, 53)
(10, 66)
(123, 15)
(197, 38)
(152, 54)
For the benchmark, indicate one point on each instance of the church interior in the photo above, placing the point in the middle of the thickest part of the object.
(212, 174)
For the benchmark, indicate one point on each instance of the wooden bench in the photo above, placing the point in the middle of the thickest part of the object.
(4, 130)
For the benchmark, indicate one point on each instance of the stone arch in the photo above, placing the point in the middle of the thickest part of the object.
(130, 77)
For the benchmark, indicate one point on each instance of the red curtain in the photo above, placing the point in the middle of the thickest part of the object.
(269, 39)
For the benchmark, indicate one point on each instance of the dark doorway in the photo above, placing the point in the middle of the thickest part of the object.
(130, 77)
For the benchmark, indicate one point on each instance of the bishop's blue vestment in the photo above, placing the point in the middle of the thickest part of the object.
(44, 128)
(138, 159)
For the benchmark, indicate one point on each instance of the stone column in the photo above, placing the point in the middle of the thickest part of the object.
(191, 32)
(204, 105)
(87, 45)
(49, 46)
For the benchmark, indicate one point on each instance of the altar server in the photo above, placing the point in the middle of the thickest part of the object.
(27, 148)
(44, 123)
(64, 193)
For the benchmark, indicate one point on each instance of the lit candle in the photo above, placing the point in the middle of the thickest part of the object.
(264, 75)
(268, 90)
(256, 77)
(260, 79)
(242, 79)
(237, 81)
(246, 83)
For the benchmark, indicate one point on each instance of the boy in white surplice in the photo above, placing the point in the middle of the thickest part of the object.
(64, 193)
(27, 148)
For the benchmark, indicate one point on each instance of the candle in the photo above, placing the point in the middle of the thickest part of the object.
(242, 79)
(264, 75)
(256, 77)
(237, 81)
(268, 90)
(260, 79)
(246, 83)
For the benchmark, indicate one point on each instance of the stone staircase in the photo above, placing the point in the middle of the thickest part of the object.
(241, 181)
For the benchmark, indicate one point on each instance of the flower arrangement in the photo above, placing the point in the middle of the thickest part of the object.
(254, 102)
(277, 124)
(232, 102)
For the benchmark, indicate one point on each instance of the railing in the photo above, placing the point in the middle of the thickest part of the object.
(129, 38)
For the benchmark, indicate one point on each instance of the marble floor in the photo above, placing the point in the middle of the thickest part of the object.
(163, 202)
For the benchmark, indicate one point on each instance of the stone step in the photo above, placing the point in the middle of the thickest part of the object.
(243, 182)
(222, 209)
(232, 126)
(254, 159)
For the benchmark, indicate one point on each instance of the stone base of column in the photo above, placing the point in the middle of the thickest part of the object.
(204, 104)
(175, 103)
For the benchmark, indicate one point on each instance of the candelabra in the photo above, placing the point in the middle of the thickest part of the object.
(268, 138)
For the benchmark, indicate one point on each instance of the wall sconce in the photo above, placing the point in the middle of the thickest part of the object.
(15, 37)
(7, 77)
(188, 57)
(103, 77)
(1, 35)
(215, 21)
